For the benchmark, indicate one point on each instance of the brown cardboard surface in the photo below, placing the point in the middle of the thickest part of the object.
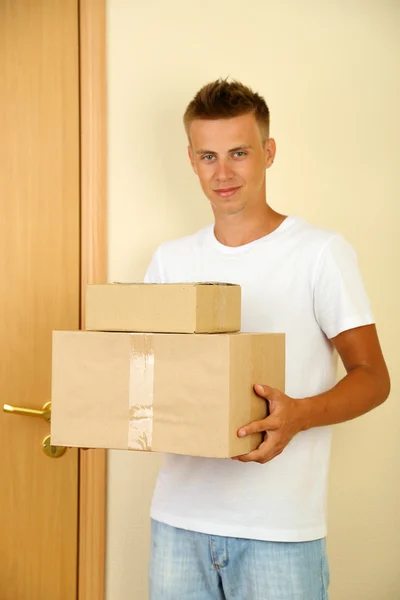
(256, 358)
(169, 308)
(177, 393)
(218, 308)
(90, 389)
(191, 395)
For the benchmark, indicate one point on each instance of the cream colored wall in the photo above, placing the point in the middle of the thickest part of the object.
(327, 70)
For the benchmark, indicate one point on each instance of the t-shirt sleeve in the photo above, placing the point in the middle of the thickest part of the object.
(154, 271)
(340, 299)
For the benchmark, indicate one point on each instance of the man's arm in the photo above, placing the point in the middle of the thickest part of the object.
(366, 386)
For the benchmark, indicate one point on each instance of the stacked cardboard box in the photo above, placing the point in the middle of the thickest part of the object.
(163, 368)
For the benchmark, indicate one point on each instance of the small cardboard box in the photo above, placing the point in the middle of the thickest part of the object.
(176, 393)
(167, 307)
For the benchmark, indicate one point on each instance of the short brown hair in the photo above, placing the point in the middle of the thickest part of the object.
(221, 99)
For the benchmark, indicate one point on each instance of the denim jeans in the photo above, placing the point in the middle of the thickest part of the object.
(195, 566)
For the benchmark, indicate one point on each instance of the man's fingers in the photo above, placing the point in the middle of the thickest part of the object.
(262, 459)
(265, 391)
(255, 427)
(268, 424)
(266, 451)
(262, 454)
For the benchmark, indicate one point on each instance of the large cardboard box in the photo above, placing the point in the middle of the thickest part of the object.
(168, 307)
(176, 393)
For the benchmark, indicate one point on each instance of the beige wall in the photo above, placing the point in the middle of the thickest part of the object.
(327, 70)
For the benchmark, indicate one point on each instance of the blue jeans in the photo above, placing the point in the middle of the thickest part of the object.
(195, 566)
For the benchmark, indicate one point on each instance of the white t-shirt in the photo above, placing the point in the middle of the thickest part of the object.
(303, 281)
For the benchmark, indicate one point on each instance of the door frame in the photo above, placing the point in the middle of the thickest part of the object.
(93, 195)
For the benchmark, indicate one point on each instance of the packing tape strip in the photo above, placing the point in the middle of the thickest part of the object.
(141, 388)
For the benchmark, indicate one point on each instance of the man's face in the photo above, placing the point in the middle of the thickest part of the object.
(230, 158)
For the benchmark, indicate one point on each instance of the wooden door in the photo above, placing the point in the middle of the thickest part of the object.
(40, 287)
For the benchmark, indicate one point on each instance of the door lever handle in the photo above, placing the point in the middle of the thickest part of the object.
(45, 413)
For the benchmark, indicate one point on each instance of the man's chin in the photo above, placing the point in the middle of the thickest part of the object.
(226, 209)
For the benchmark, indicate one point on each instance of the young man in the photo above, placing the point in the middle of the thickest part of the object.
(254, 527)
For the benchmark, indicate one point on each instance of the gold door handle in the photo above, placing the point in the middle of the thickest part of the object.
(52, 451)
(45, 413)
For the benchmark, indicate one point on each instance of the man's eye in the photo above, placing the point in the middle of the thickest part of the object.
(240, 154)
(207, 157)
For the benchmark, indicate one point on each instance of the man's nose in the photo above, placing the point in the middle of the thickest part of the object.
(224, 171)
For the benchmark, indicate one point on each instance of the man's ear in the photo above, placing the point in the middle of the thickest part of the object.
(191, 158)
(270, 152)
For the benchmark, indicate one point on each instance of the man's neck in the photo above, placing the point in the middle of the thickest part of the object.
(240, 229)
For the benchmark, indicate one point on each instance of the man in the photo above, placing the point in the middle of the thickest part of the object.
(254, 527)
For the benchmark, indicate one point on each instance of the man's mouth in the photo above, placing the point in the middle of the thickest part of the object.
(226, 192)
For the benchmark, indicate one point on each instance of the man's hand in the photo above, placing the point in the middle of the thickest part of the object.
(366, 386)
(283, 422)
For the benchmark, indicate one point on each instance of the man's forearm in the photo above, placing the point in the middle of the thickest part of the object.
(358, 392)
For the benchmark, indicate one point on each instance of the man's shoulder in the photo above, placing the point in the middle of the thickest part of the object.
(315, 236)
